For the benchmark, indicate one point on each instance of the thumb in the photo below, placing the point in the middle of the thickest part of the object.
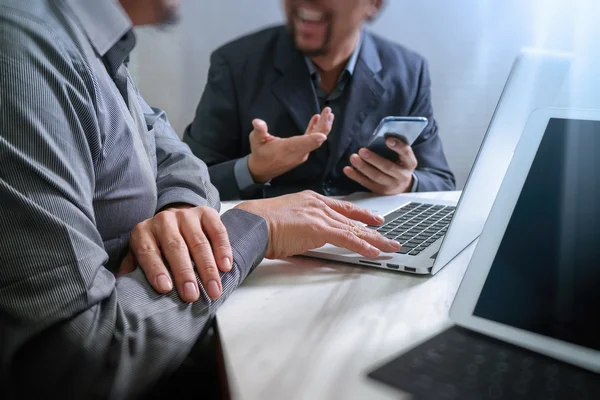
(260, 132)
(128, 264)
(306, 143)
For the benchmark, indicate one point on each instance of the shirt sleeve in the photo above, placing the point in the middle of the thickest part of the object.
(243, 177)
(67, 325)
(415, 185)
(181, 176)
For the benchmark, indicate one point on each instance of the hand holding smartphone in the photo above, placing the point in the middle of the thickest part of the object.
(406, 129)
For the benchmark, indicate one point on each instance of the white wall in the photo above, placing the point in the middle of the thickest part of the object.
(470, 45)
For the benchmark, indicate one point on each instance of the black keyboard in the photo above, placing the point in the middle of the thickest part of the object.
(460, 364)
(417, 226)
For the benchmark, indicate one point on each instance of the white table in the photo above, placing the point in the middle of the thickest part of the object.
(310, 329)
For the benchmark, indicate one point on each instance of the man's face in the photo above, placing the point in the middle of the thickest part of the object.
(151, 12)
(317, 26)
(166, 11)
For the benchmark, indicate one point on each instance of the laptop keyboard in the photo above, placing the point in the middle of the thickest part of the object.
(417, 226)
(463, 365)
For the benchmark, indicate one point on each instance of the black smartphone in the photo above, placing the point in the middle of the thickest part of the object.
(406, 129)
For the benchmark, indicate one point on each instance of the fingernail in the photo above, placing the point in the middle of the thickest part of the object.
(190, 291)
(212, 289)
(391, 143)
(227, 263)
(330, 118)
(164, 283)
(379, 219)
(394, 243)
(365, 153)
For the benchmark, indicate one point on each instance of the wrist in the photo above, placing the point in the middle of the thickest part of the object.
(178, 206)
(257, 175)
(256, 207)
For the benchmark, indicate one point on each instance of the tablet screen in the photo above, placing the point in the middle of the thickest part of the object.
(545, 277)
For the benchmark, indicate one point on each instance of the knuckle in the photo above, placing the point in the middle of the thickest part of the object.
(185, 272)
(153, 268)
(209, 211)
(146, 249)
(317, 203)
(175, 244)
(209, 268)
(163, 217)
(199, 244)
(223, 248)
(348, 235)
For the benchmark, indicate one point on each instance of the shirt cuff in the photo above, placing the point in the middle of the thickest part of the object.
(415, 185)
(178, 196)
(243, 177)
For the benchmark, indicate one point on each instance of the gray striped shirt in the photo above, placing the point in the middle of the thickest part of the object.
(83, 159)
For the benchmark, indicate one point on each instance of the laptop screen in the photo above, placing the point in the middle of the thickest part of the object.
(545, 277)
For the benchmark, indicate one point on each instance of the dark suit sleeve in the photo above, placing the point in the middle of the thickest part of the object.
(433, 172)
(215, 134)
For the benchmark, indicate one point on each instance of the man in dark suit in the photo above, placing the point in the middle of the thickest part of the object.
(322, 60)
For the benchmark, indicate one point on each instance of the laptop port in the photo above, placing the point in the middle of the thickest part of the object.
(393, 266)
(409, 269)
(370, 263)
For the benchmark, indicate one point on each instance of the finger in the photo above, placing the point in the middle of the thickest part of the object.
(305, 144)
(202, 254)
(365, 233)
(371, 172)
(344, 211)
(312, 124)
(260, 132)
(382, 164)
(175, 250)
(146, 250)
(127, 265)
(346, 239)
(407, 156)
(326, 121)
(219, 239)
(369, 235)
(363, 180)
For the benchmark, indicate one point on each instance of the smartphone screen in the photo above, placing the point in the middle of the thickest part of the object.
(406, 129)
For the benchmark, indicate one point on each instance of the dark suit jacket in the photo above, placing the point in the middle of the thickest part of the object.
(263, 76)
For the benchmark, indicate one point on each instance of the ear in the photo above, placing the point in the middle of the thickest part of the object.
(375, 7)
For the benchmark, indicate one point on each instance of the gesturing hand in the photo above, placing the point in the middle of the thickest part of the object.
(272, 156)
(305, 221)
(181, 234)
(380, 175)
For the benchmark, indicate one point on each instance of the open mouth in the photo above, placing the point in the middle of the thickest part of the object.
(310, 16)
(311, 26)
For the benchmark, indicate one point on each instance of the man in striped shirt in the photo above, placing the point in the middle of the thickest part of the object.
(94, 181)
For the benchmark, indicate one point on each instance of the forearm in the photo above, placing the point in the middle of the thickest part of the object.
(130, 337)
(234, 182)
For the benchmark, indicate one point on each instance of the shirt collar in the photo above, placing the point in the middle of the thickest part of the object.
(350, 66)
(104, 22)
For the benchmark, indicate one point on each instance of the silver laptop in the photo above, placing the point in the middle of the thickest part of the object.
(432, 233)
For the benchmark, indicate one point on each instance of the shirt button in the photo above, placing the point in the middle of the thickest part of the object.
(327, 186)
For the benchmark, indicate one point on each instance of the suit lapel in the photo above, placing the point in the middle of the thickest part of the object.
(294, 89)
(365, 91)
